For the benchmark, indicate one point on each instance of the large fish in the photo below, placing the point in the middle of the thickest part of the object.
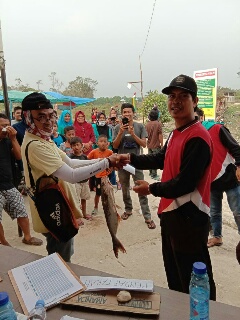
(111, 215)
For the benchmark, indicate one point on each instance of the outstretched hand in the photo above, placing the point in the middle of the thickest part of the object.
(119, 160)
(141, 187)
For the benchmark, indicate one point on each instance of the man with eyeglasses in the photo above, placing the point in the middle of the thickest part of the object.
(46, 159)
(184, 188)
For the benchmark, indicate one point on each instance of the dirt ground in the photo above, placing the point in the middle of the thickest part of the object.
(143, 260)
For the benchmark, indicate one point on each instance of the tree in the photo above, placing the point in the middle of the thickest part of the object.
(155, 98)
(39, 82)
(81, 87)
(18, 83)
(26, 88)
(56, 84)
(20, 86)
(107, 100)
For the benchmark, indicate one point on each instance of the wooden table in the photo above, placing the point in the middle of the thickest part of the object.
(174, 305)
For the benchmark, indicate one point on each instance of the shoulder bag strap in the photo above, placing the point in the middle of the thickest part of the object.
(32, 183)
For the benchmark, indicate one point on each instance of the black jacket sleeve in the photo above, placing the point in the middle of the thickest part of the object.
(196, 157)
(147, 161)
(230, 143)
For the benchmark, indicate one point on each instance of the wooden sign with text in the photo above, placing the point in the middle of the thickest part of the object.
(141, 302)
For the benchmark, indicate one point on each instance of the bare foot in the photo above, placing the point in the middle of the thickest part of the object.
(88, 217)
(5, 243)
(80, 222)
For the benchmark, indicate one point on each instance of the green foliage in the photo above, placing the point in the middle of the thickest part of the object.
(20, 86)
(156, 98)
(231, 120)
(114, 101)
(221, 91)
(237, 95)
(26, 89)
(81, 87)
(111, 101)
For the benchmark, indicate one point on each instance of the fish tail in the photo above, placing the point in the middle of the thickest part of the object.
(118, 246)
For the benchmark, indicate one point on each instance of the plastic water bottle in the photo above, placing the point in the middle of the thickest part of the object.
(199, 291)
(39, 312)
(6, 308)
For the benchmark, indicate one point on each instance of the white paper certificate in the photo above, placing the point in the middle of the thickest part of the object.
(129, 168)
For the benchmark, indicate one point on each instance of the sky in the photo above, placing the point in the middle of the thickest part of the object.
(103, 40)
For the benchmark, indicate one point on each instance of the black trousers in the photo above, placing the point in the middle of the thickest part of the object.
(184, 241)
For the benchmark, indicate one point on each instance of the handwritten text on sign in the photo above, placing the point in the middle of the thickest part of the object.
(105, 283)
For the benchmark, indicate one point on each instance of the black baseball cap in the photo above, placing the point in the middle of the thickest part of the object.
(36, 101)
(183, 82)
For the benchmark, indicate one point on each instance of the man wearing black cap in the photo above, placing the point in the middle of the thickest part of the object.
(184, 188)
(46, 159)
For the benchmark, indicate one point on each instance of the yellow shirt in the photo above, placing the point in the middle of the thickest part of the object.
(45, 158)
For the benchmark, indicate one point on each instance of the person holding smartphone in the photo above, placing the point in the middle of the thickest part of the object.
(129, 137)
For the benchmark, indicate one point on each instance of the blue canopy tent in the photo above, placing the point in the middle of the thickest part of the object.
(72, 100)
(18, 96)
(15, 96)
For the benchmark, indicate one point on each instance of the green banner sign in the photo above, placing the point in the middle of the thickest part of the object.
(206, 83)
(204, 92)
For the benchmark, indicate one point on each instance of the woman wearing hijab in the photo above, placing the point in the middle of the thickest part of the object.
(84, 130)
(65, 120)
(101, 127)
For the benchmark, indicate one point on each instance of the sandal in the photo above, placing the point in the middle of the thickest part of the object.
(126, 215)
(32, 241)
(150, 224)
(214, 242)
(95, 211)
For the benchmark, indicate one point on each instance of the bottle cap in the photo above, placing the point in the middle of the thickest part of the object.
(4, 298)
(199, 268)
(40, 303)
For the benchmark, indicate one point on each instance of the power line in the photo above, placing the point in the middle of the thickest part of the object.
(149, 28)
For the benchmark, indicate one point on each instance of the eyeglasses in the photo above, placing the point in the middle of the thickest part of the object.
(43, 118)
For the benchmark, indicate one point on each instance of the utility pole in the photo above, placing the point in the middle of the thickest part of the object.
(132, 83)
(141, 81)
(3, 77)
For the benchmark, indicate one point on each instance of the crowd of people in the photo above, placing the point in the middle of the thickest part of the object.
(199, 161)
(78, 139)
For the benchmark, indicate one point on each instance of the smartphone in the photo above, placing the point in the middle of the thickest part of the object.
(125, 120)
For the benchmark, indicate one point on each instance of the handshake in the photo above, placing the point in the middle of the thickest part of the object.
(119, 160)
